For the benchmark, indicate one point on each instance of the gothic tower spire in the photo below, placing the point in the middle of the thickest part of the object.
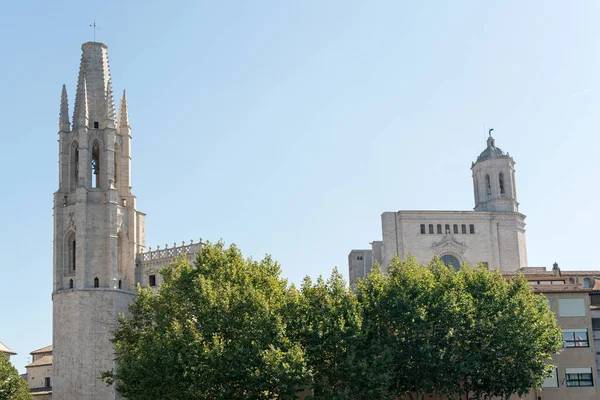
(123, 113)
(64, 124)
(97, 234)
(81, 112)
(94, 73)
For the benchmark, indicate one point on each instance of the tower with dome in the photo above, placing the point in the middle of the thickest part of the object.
(493, 233)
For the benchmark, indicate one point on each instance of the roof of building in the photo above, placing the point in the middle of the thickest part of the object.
(491, 151)
(6, 350)
(40, 391)
(46, 349)
(560, 288)
(46, 360)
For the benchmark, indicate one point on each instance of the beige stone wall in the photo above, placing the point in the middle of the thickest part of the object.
(83, 324)
(499, 238)
(36, 376)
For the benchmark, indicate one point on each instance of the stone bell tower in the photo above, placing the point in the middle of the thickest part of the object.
(97, 232)
(494, 180)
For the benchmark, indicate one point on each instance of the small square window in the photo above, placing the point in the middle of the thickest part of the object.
(575, 338)
(576, 377)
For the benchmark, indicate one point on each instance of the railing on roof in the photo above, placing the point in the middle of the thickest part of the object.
(169, 253)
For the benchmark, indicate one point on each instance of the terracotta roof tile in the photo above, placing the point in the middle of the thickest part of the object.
(46, 360)
(6, 350)
(46, 349)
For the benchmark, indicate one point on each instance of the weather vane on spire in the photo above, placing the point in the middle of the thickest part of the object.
(490, 131)
(94, 26)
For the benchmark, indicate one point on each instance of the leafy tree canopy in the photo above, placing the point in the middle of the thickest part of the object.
(12, 386)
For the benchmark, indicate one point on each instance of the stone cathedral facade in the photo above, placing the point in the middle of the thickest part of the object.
(100, 250)
(492, 234)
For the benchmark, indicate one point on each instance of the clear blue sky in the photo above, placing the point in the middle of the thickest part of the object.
(288, 127)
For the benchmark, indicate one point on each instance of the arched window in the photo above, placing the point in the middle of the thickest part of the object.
(120, 255)
(96, 282)
(117, 161)
(95, 165)
(455, 228)
(423, 229)
(70, 253)
(488, 186)
(439, 229)
(452, 261)
(70, 283)
(501, 182)
(587, 283)
(74, 175)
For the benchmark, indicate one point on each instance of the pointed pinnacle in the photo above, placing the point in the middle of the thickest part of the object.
(64, 123)
(123, 112)
(83, 115)
(110, 102)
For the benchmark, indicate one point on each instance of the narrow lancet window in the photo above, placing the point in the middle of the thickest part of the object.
(488, 185)
(501, 182)
(96, 165)
(70, 283)
(96, 282)
(73, 254)
(74, 174)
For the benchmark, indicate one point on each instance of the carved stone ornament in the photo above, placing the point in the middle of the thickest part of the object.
(449, 244)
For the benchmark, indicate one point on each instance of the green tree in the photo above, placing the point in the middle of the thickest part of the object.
(470, 333)
(12, 386)
(214, 330)
(511, 336)
(327, 322)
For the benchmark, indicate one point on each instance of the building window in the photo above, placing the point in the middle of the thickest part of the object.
(596, 324)
(576, 377)
(455, 228)
(96, 282)
(488, 186)
(452, 261)
(439, 229)
(471, 229)
(423, 229)
(120, 284)
(152, 280)
(463, 228)
(501, 182)
(447, 229)
(595, 299)
(575, 338)
(552, 380)
(70, 283)
(485, 264)
(430, 229)
(96, 165)
(359, 257)
(47, 382)
(571, 307)
(586, 282)
(96, 125)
